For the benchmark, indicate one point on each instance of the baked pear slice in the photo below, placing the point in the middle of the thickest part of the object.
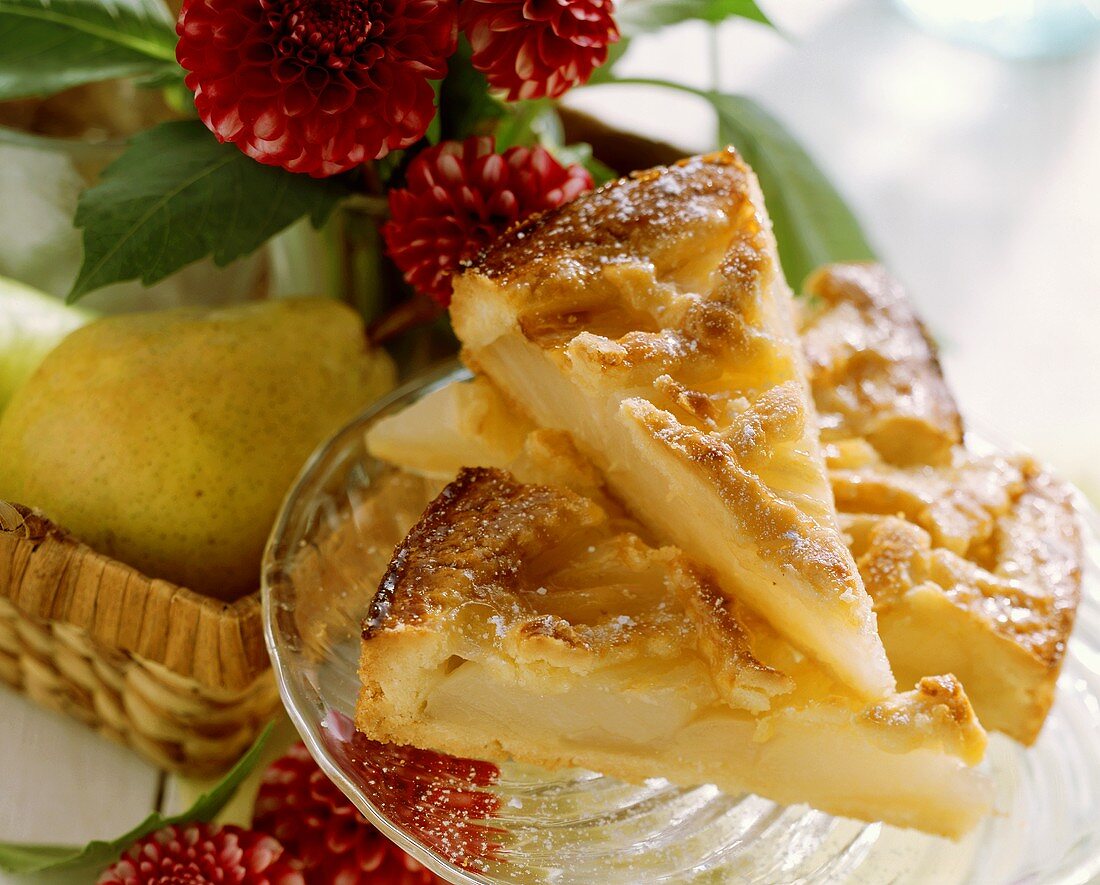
(464, 424)
(522, 621)
(650, 320)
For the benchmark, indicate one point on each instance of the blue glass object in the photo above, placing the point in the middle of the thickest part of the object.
(1011, 28)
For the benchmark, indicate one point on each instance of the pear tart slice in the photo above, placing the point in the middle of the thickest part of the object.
(974, 561)
(650, 320)
(522, 621)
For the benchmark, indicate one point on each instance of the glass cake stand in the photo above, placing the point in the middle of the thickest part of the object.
(501, 822)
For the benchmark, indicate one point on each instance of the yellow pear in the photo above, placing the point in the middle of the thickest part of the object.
(167, 440)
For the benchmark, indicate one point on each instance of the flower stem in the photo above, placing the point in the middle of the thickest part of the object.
(653, 81)
(371, 179)
(368, 204)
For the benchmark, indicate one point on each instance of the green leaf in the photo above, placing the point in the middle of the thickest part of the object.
(645, 16)
(813, 225)
(50, 45)
(435, 127)
(177, 195)
(170, 78)
(528, 122)
(466, 106)
(16, 858)
(28, 859)
(538, 122)
(389, 168)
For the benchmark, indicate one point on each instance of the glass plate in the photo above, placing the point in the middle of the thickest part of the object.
(472, 821)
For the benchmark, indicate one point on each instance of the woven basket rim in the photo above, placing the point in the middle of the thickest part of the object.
(48, 573)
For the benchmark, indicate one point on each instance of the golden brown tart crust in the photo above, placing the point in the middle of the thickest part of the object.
(641, 216)
(1022, 578)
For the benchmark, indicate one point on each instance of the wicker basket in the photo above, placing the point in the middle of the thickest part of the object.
(181, 678)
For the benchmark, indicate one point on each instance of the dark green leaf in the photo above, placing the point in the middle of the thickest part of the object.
(170, 78)
(812, 223)
(644, 16)
(538, 122)
(27, 859)
(390, 167)
(50, 45)
(581, 152)
(177, 195)
(435, 128)
(466, 107)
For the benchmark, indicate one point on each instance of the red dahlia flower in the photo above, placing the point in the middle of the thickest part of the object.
(460, 196)
(336, 845)
(316, 86)
(198, 854)
(536, 48)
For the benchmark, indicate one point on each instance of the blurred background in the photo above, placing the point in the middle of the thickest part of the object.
(976, 178)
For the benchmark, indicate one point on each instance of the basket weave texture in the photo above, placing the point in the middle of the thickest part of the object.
(181, 678)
